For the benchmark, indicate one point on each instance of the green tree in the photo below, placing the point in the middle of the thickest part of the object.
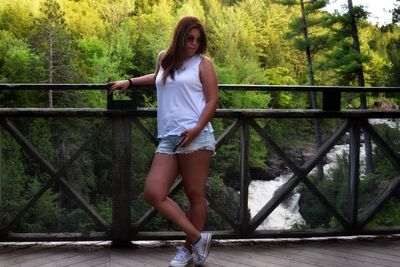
(309, 44)
(396, 12)
(54, 44)
(347, 59)
(17, 17)
(360, 77)
(17, 61)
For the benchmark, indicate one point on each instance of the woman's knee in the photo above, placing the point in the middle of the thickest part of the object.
(196, 196)
(153, 197)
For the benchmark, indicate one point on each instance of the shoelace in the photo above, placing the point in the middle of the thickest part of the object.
(198, 255)
(181, 254)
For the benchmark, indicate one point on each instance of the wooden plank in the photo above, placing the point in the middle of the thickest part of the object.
(294, 258)
(274, 252)
(244, 215)
(353, 253)
(344, 250)
(128, 258)
(246, 255)
(223, 87)
(354, 175)
(341, 256)
(32, 237)
(17, 256)
(391, 247)
(47, 256)
(306, 251)
(81, 256)
(228, 133)
(172, 235)
(377, 251)
(220, 113)
(121, 180)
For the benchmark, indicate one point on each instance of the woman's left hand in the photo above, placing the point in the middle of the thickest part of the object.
(189, 135)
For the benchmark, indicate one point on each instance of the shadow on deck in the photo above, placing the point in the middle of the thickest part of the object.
(352, 251)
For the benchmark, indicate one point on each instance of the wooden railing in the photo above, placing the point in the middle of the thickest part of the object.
(122, 230)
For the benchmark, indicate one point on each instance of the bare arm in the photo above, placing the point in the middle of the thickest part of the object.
(145, 80)
(208, 78)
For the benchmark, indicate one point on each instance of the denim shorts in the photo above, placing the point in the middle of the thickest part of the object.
(204, 141)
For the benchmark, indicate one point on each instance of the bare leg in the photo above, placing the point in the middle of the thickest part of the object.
(162, 174)
(194, 170)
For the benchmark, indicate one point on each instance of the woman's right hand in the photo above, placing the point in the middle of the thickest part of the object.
(118, 85)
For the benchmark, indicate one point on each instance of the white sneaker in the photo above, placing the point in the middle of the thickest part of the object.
(201, 248)
(182, 258)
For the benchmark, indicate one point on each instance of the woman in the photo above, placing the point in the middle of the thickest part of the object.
(187, 97)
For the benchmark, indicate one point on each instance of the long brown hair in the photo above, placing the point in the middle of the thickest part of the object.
(174, 57)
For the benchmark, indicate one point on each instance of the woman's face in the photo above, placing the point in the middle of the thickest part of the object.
(192, 42)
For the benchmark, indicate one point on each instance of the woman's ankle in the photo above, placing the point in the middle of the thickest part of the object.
(193, 240)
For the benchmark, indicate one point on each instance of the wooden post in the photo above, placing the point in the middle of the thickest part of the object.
(1, 178)
(244, 177)
(354, 174)
(121, 186)
(331, 100)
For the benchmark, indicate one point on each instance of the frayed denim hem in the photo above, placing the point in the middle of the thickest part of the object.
(168, 145)
(183, 152)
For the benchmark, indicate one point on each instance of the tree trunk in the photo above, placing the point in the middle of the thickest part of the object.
(361, 82)
(50, 71)
(313, 98)
(1, 197)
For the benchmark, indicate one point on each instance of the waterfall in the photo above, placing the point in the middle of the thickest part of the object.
(287, 213)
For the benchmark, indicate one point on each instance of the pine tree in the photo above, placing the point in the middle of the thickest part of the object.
(308, 44)
(52, 40)
(396, 13)
(360, 77)
(347, 60)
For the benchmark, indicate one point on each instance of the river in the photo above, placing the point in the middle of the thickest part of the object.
(287, 213)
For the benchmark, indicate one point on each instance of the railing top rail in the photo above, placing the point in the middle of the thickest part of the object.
(221, 113)
(230, 87)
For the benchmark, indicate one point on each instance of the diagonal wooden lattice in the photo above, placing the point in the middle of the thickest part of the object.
(55, 175)
(390, 189)
(150, 213)
(299, 175)
(352, 222)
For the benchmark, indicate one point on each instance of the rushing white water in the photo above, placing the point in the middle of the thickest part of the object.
(287, 214)
(394, 124)
(340, 150)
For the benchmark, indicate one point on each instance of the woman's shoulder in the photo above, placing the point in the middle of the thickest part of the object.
(206, 62)
(158, 62)
(205, 58)
(161, 55)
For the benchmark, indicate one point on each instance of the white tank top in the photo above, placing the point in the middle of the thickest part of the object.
(180, 101)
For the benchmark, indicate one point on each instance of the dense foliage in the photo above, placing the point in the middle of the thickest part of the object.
(94, 41)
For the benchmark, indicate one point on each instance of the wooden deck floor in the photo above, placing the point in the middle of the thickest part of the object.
(333, 252)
